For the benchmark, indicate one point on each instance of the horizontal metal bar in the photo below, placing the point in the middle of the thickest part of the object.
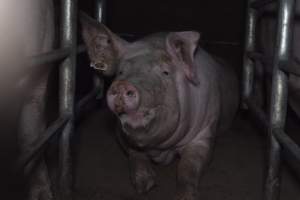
(53, 130)
(261, 57)
(258, 114)
(293, 67)
(258, 4)
(283, 139)
(50, 133)
(46, 58)
(288, 143)
(291, 149)
(53, 56)
(91, 95)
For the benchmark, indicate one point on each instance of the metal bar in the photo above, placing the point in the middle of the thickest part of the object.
(290, 149)
(66, 94)
(258, 114)
(271, 13)
(87, 104)
(261, 57)
(293, 66)
(91, 95)
(37, 149)
(52, 131)
(284, 140)
(248, 65)
(287, 142)
(258, 4)
(100, 10)
(100, 16)
(53, 56)
(49, 57)
(279, 95)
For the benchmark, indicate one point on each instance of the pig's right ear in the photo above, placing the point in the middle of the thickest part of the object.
(104, 47)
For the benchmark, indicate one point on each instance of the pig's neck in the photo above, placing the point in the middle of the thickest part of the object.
(199, 108)
(193, 107)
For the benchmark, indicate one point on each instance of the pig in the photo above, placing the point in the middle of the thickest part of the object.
(266, 44)
(171, 98)
(27, 29)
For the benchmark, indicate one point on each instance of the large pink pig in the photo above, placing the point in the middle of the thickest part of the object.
(171, 98)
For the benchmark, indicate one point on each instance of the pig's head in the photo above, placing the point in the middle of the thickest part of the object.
(148, 74)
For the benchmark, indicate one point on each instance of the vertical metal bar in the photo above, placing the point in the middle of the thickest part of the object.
(278, 105)
(100, 16)
(100, 11)
(248, 66)
(66, 94)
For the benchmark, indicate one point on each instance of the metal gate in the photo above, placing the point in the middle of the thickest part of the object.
(274, 125)
(274, 121)
(64, 125)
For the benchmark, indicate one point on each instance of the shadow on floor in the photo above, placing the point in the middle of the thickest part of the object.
(236, 172)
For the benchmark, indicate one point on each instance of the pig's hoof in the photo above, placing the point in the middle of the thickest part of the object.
(143, 179)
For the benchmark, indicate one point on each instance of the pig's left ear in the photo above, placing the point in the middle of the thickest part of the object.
(182, 47)
(104, 47)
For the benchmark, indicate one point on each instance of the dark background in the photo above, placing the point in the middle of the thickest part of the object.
(217, 20)
(221, 23)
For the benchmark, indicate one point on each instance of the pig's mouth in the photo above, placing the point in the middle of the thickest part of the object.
(140, 119)
(137, 126)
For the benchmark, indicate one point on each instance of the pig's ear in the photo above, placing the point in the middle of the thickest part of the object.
(182, 47)
(104, 47)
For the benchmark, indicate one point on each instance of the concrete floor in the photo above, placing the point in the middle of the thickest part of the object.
(236, 172)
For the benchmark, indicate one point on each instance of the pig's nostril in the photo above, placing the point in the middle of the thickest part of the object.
(120, 114)
(146, 113)
(130, 93)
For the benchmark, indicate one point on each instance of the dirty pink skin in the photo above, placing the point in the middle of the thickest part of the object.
(171, 98)
(123, 97)
(27, 29)
(266, 41)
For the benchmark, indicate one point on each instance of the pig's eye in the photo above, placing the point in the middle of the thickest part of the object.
(166, 73)
(120, 72)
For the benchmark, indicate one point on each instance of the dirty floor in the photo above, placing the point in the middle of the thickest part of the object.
(235, 172)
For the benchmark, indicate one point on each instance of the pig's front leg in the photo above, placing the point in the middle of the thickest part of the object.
(141, 172)
(194, 158)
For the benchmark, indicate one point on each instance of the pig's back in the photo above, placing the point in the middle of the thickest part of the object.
(224, 78)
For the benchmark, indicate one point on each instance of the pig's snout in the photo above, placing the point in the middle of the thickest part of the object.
(123, 97)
